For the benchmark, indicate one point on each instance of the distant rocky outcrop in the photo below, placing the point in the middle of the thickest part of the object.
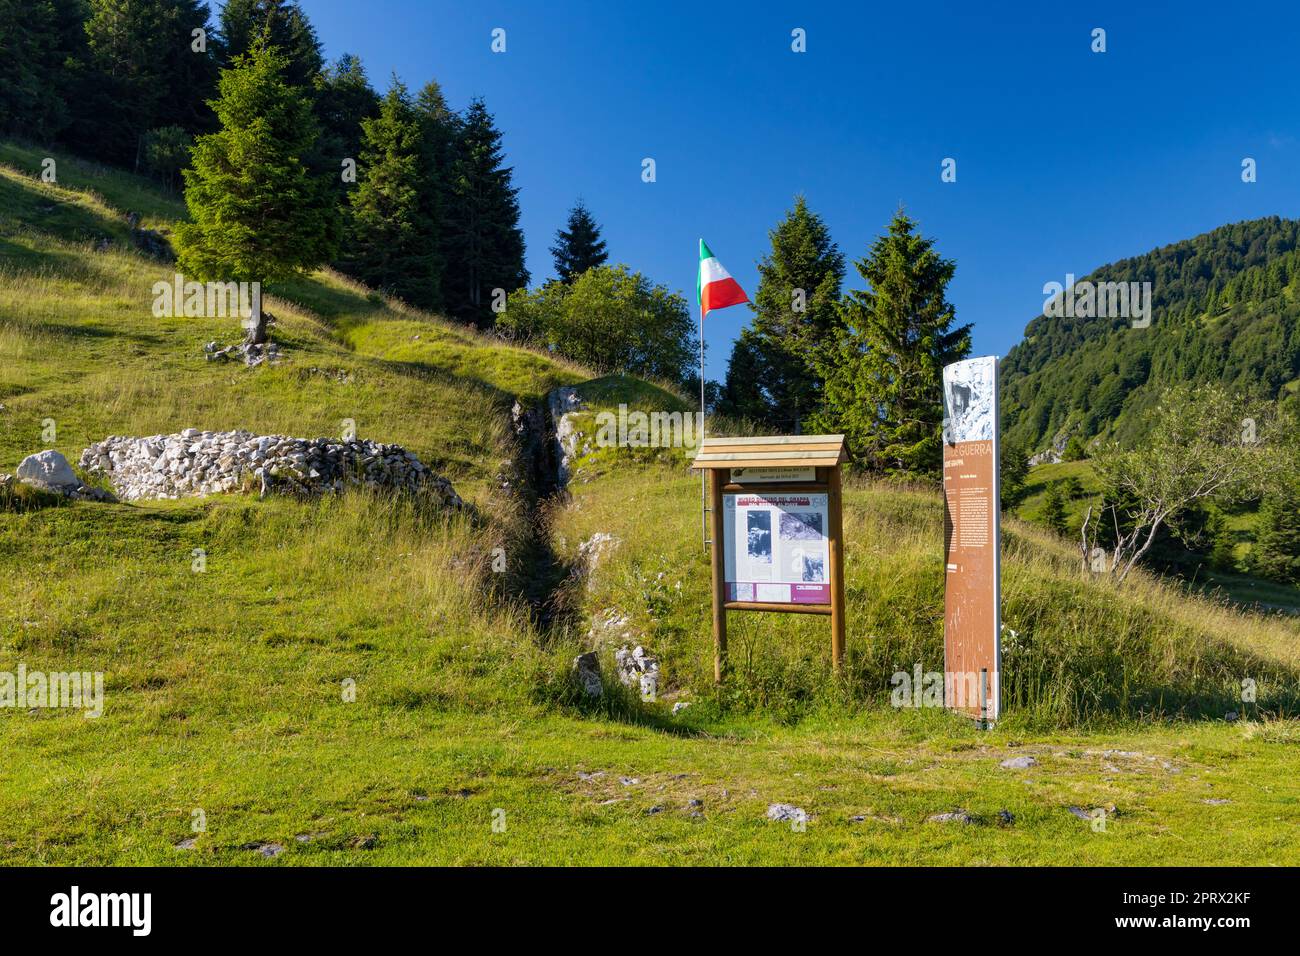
(197, 463)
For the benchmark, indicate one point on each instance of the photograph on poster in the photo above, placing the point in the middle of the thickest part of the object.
(788, 567)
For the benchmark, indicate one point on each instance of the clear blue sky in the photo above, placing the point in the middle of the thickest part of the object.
(1066, 159)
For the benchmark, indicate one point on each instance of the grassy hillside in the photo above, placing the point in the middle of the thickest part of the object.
(226, 686)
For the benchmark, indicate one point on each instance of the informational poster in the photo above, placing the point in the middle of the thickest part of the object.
(972, 538)
(776, 550)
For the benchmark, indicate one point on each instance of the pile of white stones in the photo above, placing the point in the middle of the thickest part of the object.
(196, 463)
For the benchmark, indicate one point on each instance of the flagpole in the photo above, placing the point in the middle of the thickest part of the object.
(704, 495)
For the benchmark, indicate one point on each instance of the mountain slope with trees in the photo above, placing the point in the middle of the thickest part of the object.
(1225, 309)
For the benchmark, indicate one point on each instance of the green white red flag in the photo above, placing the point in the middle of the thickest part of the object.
(714, 287)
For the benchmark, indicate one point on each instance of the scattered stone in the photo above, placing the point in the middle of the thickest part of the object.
(655, 809)
(1231, 716)
(858, 819)
(636, 668)
(680, 706)
(1005, 818)
(629, 781)
(611, 624)
(366, 842)
(953, 816)
(1018, 763)
(695, 803)
(587, 667)
(782, 812)
(252, 354)
(1216, 801)
(606, 803)
(596, 775)
(309, 837)
(200, 463)
(268, 850)
(187, 844)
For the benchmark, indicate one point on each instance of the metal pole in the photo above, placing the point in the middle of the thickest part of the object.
(704, 494)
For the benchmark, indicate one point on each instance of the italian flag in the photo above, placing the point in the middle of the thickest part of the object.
(715, 288)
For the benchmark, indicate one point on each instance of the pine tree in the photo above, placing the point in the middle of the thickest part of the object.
(141, 73)
(795, 317)
(884, 376)
(345, 98)
(1276, 553)
(284, 24)
(743, 396)
(42, 56)
(391, 241)
(257, 213)
(439, 134)
(578, 247)
(1054, 514)
(484, 242)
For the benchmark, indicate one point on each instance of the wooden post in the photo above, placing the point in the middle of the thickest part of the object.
(836, 547)
(716, 480)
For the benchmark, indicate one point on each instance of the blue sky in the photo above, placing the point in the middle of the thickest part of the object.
(1066, 159)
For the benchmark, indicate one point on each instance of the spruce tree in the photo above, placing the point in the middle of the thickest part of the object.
(1276, 553)
(578, 247)
(884, 377)
(439, 133)
(141, 73)
(391, 240)
(484, 242)
(1054, 514)
(795, 318)
(244, 23)
(42, 57)
(257, 213)
(345, 98)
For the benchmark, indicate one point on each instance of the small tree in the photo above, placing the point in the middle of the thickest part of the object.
(1276, 553)
(578, 247)
(258, 215)
(1207, 446)
(1054, 514)
(1014, 467)
(612, 319)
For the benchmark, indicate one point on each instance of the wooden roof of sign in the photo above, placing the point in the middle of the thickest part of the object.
(773, 451)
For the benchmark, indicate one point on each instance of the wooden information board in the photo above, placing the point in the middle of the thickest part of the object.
(776, 528)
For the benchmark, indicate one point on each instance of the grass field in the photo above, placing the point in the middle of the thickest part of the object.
(228, 697)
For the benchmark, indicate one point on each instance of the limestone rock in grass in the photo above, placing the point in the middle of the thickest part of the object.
(636, 667)
(195, 463)
(782, 812)
(680, 706)
(562, 403)
(50, 469)
(593, 550)
(954, 816)
(1018, 763)
(587, 667)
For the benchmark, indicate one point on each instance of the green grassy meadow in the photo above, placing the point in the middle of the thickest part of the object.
(230, 734)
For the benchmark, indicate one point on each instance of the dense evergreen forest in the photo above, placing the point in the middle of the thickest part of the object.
(1225, 308)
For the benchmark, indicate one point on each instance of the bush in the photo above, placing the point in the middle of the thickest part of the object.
(611, 319)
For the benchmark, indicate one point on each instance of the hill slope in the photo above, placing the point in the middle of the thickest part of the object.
(227, 735)
(1225, 308)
